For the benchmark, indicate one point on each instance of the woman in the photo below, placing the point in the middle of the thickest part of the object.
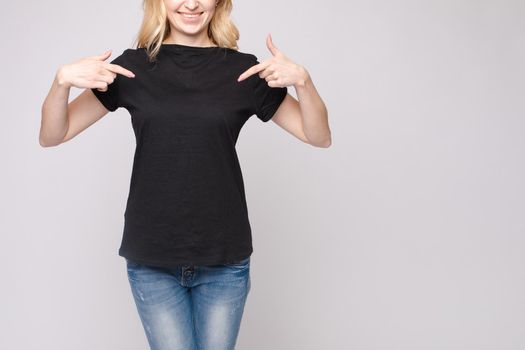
(189, 90)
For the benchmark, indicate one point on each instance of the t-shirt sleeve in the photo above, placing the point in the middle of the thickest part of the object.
(267, 98)
(111, 97)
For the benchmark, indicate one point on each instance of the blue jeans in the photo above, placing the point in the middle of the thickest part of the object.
(190, 307)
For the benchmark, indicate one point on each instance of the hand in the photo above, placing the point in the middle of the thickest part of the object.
(279, 70)
(91, 72)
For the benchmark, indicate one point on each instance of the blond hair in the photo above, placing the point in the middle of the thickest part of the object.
(155, 27)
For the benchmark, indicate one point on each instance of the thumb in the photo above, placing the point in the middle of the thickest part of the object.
(270, 45)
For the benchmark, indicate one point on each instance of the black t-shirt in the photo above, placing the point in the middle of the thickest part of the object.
(186, 202)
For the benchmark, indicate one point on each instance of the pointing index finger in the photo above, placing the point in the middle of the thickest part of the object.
(252, 70)
(121, 70)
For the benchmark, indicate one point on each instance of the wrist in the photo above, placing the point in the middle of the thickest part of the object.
(303, 77)
(61, 80)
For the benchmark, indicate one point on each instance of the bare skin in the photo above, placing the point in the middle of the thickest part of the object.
(61, 121)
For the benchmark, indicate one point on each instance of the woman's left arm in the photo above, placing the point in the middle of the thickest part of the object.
(306, 119)
(314, 116)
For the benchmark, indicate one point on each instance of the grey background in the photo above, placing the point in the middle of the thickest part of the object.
(408, 233)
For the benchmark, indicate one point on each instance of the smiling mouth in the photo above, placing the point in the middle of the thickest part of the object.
(190, 15)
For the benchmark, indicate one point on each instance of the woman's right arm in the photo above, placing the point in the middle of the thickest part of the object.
(61, 121)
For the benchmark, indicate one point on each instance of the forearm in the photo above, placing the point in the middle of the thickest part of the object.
(54, 123)
(313, 111)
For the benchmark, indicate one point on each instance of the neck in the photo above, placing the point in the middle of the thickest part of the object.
(205, 42)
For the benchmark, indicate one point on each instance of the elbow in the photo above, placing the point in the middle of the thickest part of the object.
(326, 143)
(41, 141)
(45, 143)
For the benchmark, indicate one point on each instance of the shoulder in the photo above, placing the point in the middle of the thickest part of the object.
(244, 56)
(135, 58)
(133, 54)
(239, 59)
(130, 54)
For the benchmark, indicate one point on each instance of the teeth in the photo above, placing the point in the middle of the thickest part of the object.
(190, 16)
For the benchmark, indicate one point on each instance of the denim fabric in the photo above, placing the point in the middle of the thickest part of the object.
(190, 307)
